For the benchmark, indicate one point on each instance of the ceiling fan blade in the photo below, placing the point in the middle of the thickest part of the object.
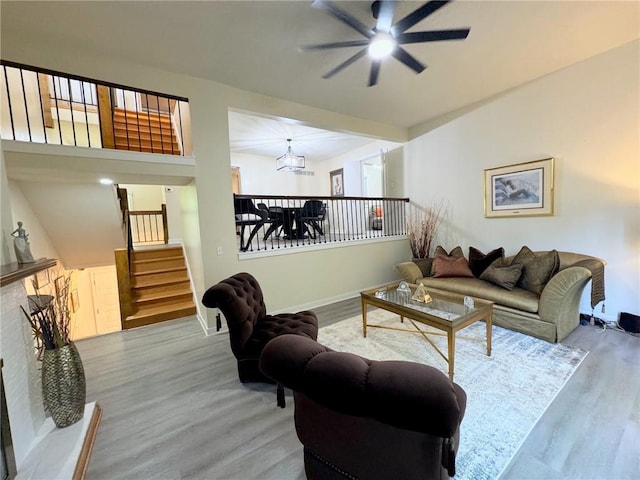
(373, 74)
(325, 46)
(343, 16)
(409, 60)
(432, 36)
(346, 63)
(385, 15)
(418, 15)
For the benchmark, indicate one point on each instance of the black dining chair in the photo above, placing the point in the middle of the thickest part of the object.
(275, 217)
(312, 215)
(248, 215)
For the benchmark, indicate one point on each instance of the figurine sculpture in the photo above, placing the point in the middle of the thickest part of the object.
(21, 245)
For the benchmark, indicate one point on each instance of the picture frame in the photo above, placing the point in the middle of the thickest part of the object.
(59, 286)
(336, 182)
(519, 190)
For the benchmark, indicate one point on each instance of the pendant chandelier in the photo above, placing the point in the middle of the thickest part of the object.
(290, 161)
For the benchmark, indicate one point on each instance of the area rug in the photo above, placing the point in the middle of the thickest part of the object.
(506, 393)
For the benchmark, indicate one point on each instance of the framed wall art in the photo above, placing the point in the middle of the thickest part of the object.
(336, 177)
(520, 190)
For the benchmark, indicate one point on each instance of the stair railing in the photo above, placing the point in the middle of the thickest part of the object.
(149, 226)
(45, 106)
(123, 259)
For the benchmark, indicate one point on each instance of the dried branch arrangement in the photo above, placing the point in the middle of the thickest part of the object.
(50, 315)
(422, 227)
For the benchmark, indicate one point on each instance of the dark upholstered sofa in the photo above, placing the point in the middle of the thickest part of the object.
(365, 419)
(550, 314)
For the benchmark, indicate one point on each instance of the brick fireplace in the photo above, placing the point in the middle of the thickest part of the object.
(21, 375)
(40, 450)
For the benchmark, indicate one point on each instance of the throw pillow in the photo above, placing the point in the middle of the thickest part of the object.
(425, 265)
(537, 268)
(451, 267)
(478, 261)
(501, 274)
(441, 252)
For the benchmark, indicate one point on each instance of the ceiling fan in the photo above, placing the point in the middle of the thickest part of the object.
(386, 37)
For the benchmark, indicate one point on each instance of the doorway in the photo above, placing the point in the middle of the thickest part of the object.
(235, 180)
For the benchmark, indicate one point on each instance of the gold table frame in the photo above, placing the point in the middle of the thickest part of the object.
(482, 310)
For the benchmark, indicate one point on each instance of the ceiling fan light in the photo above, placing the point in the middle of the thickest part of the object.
(381, 46)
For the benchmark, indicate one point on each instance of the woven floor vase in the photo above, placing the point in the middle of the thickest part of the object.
(63, 385)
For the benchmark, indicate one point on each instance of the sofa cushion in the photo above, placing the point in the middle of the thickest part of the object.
(451, 267)
(441, 252)
(505, 276)
(518, 298)
(478, 261)
(410, 272)
(538, 268)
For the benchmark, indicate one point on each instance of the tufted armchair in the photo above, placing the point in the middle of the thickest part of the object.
(240, 299)
(360, 418)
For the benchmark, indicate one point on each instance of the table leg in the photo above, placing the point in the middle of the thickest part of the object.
(489, 323)
(364, 318)
(451, 341)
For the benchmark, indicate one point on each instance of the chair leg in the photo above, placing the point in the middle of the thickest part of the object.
(243, 247)
(280, 396)
(272, 228)
(253, 234)
(317, 227)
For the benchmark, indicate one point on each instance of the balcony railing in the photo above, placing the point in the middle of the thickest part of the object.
(44, 106)
(269, 222)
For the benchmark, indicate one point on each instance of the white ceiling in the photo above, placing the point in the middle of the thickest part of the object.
(254, 45)
(268, 136)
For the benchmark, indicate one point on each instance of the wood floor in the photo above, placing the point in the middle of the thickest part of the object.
(174, 408)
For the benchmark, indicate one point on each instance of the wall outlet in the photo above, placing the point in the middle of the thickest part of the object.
(220, 251)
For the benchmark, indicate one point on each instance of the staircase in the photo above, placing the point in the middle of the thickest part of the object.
(144, 132)
(159, 287)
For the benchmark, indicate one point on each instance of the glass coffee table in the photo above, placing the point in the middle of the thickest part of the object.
(447, 313)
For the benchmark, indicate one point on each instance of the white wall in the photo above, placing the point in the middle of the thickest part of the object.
(144, 197)
(351, 163)
(39, 241)
(585, 116)
(6, 219)
(258, 176)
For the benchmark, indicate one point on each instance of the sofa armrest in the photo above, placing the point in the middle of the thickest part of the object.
(410, 272)
(560, 299)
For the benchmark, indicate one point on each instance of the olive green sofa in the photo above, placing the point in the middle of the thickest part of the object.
(551, 316)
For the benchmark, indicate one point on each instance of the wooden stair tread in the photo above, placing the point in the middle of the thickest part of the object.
(157, 259)
(120, 113)
(156, 250)
(145, 310)
(153, 314)
(160, 270)
(141, 282)
(148, 149)
(141, 296)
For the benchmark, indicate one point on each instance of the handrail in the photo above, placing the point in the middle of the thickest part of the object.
(273, 222)
(145, 228)
(46, 106)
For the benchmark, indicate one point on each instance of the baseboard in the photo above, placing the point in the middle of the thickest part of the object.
(322, 302)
